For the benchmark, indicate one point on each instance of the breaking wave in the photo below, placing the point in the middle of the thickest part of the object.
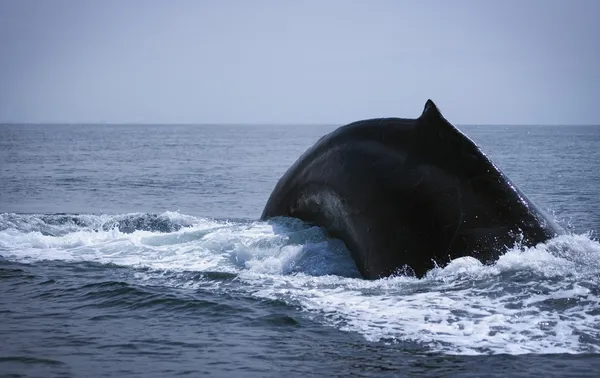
(544, 299)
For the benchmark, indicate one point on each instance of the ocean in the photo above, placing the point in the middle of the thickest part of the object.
(136, 251)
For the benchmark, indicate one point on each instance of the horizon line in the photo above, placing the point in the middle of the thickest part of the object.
(267, 124)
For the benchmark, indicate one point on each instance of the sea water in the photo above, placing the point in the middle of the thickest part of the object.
(136, 250)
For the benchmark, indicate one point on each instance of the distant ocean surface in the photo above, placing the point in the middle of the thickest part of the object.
(136, 251)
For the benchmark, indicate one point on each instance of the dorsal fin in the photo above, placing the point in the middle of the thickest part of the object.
(431, 110)
(433, 124)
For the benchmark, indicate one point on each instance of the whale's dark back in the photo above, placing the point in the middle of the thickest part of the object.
(406, 194)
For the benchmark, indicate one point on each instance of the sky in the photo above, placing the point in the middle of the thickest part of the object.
(295, 62)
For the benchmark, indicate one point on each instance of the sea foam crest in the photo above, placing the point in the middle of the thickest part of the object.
(543, 299)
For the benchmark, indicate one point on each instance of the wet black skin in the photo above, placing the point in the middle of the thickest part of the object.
(406, 194)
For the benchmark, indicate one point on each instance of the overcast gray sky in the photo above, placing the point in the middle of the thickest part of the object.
(481, 61)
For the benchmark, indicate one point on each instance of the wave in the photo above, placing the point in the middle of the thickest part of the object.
(62, 224)
(543, 299)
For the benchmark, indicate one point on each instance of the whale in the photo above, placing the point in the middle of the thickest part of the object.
(407, 195)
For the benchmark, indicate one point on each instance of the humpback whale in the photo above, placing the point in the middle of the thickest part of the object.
(405, 195)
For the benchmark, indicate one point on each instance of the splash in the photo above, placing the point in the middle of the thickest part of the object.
(543, 299)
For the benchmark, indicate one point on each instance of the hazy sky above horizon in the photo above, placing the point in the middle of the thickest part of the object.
(333, 61)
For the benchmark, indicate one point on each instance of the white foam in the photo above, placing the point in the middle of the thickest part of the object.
(465, 307)
(532, 300)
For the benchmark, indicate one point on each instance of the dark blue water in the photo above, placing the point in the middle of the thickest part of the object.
(135, 251)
